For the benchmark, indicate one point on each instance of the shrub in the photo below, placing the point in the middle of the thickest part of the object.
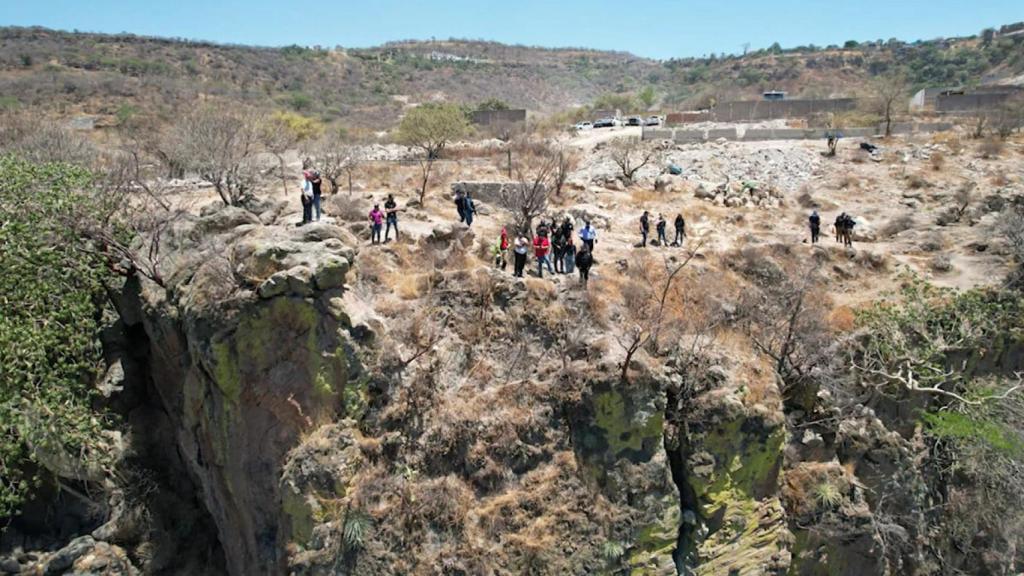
(991, 148)
(898, 224)
(49, 352)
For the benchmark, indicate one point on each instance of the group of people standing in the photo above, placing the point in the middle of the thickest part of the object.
(660, 226)
(843, 228)
(310, 195)
(553, 247)
(377, 219)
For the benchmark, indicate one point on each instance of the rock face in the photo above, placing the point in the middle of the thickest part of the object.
(246, 358)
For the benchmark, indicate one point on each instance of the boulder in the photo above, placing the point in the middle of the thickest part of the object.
(331, 273)
(60, 561)
(666, 183)
(227, 218)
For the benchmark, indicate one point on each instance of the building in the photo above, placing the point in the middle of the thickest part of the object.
(925, 99)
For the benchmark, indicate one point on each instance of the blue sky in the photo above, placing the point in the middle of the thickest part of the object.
(653, 28)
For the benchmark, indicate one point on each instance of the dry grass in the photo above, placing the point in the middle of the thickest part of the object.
(898, 224)
(999, 179)
(937, 161)
(991, 148)
(849, 182)
(917, 181)
(842, 319)
(951, 140)
(642, 196)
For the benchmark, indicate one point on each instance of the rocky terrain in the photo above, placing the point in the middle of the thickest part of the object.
(299, 401)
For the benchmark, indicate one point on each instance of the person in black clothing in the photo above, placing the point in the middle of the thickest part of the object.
(838, 225)
(645, 228)
(680, 225)
(390, 216)
(584, 259)
(460, 205)
(567, 228)
(315, 180)
(815, 223)
(662, 239)
(558, 249)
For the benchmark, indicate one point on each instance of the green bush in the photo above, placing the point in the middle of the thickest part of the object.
(51, 294)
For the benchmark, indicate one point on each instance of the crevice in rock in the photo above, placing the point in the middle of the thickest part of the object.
(677, 449)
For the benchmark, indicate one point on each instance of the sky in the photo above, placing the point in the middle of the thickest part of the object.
(653, 28)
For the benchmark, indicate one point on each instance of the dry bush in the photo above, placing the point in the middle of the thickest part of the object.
(991, 148)
(917, 181)
(877, 261)
(842, 319)
(941, 263)
(937, 161)
(900, 223)
(803, 494)
(849, 182)
(951, 140)
(645, 196)
(805, 200)
(999, 179)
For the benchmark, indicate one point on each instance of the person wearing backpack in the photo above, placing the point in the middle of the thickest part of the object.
(645, 228)
(815, 224)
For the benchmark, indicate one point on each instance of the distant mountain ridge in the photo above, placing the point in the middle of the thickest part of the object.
(87, 73)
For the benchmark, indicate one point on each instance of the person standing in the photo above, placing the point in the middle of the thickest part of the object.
(460, 204)
(541, 249)
(306, 195)
(660, 227)
(558, 247)
(645, 228)
(589, 236)
(848, 224)
(568, 255)
(815, 223)
(567, 228)
(469, 208)
(838, 225)
(522, 246)
(376, 221)
(391, 215)
(316, 182)
(584, 259)
(680, 225)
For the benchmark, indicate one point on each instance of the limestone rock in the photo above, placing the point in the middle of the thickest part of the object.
(331, 273)
(666, 183)
(227, 218)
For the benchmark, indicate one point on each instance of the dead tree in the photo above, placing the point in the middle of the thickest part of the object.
(630, 155)
(646, 307)
(527, 197)
(890, 90)
(338, 160)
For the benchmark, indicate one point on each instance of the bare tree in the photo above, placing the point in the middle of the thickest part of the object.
(527, 197)
(566, 161)
(283, 131)
(890, 90)
(630, 155)
(646, 301)
(220, 143)
(39, 139)
(338, 158)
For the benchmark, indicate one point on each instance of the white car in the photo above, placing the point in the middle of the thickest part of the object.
(583, 126)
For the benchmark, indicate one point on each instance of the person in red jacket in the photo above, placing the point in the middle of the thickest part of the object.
(541, 249)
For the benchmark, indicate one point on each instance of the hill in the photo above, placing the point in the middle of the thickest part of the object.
(70, 72)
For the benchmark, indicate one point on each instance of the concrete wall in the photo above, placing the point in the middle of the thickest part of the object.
(969, 102)
(689, 136)
(498, 117)
(755, 110)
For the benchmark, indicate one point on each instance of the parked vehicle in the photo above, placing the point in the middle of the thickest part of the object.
(634, 121)
(652, 121)
(604, 123)
(583, 126)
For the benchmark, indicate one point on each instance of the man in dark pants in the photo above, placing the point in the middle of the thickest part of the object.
(680, 225)
(815, 223)
(391, 216)
(584, 259)
(314, 179)
(589, 236)
(645, 228)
